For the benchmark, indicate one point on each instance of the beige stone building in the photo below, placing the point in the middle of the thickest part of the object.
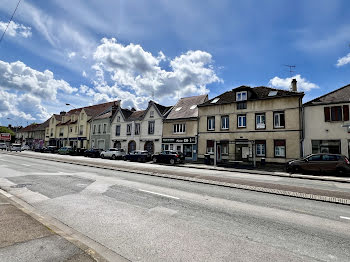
(326, 123)
(247, 123)
(180, 128)
(73, 128)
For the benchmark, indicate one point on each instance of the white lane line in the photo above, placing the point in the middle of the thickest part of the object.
(347, 218)
(25, 165)
(159, 194)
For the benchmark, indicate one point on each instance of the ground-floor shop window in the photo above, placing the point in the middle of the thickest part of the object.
(280, 148)
(187, 151)
(326, 146)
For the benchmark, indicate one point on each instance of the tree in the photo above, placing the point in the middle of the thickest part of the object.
(4, 129)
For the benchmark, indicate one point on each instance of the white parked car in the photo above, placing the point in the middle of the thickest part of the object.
(25, 147)
(113, 153)
(15, 147)
(3, 146)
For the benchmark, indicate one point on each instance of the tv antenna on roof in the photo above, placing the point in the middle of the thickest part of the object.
(291, 67)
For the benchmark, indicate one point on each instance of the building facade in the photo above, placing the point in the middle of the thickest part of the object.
(139, 130)
(101, 130)
(180, 128)
(251, 123)
(326, 123)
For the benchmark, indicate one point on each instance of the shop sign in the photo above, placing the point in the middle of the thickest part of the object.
(182, 140)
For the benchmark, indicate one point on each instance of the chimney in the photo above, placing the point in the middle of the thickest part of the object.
(62, 113)
(294, 85)
(133, 109)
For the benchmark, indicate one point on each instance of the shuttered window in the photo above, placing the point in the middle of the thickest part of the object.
(346, 112)
(327, 114)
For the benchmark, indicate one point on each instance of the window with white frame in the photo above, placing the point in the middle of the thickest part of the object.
(280, 148)
(151, 114)
(211, 123)
(137, 128)
(76, 129)
(94, 129)
(260, 148)
(104, 128)
(99, 129)
(128, 129)
(225, 122)
(242, 121)
(171, 147)
(151, 127)
(241, 96)
(278, 120)
(224, 148)
(118, 119)
(210, 146)
(179, 128)
(117, 130)
(260, 121)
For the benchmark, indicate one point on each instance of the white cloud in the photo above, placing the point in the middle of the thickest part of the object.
(17, 76)
(343, 60)
(72, 54)
(139, 73)
(84, 74)
(15, 29)
(285, 83)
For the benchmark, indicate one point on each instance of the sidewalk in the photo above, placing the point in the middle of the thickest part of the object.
(22, 238)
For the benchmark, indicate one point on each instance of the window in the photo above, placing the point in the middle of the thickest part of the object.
(171, 147)
(99, 129)
(137, 128)
(117, 130)
(118, 119)
(193, 107)
(241, 121)
(128, 129)
(151, 114)
(326, 146)
(211, 123)
(51, 132)
(225, 122)
(61, 131)
(336, 113)
(179, 128)
(82, 116)
(104, 128)
(151, 127)
(260, 148)
(330, 157)
(52, 120)
(94, 129)
(178, 109)
(242, 105)
(280, 148)
(224, 148)
(315, 158)
(260, 121)
(71, 129)
(76, 129)
(210, 146)
(278, 120)
(215, 100)
(241, 96)
(81, 130)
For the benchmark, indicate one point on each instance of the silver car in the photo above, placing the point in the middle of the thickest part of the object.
(3, 146)
(113, 153)
(15, 147)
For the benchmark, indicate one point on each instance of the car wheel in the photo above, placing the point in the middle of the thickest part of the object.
(154, 160)
(102, 156)
(296, 169)
(114, 157)
(172, 161)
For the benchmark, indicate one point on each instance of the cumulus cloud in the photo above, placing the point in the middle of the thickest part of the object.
(139, 73)
(17, 76)
(285, 83)
(15, 29)
(343, 60)
(71, 54)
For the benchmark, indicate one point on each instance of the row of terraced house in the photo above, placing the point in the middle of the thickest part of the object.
(242, 124)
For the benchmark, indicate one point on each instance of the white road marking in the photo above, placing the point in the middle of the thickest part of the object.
(25, 165)
(347, 218)
(159, 194)
(5, 193)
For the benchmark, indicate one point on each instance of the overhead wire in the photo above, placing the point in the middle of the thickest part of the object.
(8, 24)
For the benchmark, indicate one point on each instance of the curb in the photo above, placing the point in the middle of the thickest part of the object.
(213, 182)
(86, 244)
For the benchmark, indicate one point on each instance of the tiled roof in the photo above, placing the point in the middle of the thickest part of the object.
(104, 115)
(41, 127)
(187, 107)
(341, 95)
(136, 115)
(257, 93)
(29, 128)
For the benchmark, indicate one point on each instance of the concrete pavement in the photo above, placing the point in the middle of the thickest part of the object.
(148, 218)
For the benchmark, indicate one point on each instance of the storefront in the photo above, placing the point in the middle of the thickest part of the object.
(186, 145)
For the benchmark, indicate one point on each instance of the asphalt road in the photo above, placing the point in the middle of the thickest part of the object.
(145, 218)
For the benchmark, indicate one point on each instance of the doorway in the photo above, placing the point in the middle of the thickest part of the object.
(188, 151)
(131, 146)
(218, 153)
(149, 146)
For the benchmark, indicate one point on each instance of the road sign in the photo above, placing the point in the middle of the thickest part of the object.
(5, 136)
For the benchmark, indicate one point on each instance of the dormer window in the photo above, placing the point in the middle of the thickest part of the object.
(151, 114)
(241, 96)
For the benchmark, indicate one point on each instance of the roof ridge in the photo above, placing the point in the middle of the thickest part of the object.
(317, 98)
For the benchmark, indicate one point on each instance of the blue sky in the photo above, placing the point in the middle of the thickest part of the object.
(86, 52)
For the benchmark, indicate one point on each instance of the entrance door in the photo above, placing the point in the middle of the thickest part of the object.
(188, 151)
(218, 153)
(131, 146)
(149, 146)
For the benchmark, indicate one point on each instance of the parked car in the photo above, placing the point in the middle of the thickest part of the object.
(113, 153)
(168, 156)
(50, 149)
(25, 147)
(3, 146)
(93, 152)
(66, 150)
(15, 147)
(316, 163)
(138, 155)
(78, 151)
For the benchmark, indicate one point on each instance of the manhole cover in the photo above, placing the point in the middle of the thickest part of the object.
(21, 185)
